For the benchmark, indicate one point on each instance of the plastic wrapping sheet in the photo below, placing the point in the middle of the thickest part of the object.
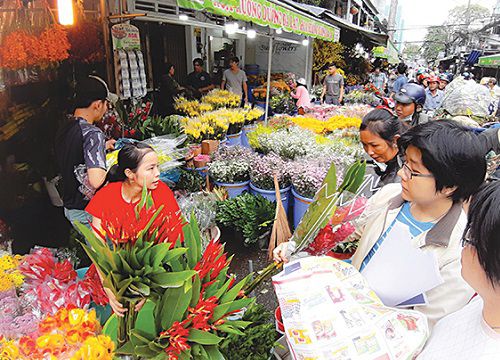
(329, 312)
(465, 97)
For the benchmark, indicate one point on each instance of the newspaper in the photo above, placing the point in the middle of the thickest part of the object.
(329, 312)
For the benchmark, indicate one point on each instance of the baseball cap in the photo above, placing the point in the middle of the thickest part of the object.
(93, 88)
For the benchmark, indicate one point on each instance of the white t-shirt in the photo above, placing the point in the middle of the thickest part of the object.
(463, 335)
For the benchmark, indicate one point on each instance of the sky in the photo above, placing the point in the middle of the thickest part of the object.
(419, 13)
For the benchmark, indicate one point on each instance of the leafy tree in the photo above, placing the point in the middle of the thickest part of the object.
(455, 31)
(412, 51)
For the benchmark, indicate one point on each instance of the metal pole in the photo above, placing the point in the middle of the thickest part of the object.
(269, 64)
(107, 44)
(307, 64)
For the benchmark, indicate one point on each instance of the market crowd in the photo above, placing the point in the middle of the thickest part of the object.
(435, 193)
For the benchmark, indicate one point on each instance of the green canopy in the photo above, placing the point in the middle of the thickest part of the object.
(490, 61)
(267, 13)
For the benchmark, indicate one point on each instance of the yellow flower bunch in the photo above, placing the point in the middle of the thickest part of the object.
(96, 348)
(222, 98)
(253, 137)
(253, 114)
(343, 122)
(9, 275)
(192, 107)
(230, 116)
(324, 127)
(211, 125)
(69, 334)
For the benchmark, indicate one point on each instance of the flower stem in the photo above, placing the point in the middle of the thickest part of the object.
(268, 271)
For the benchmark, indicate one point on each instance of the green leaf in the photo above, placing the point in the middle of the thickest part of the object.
(229, 329)
(196, 290)
(125, 265)
(223, 288)
(175, 303)
(211, 289)
(174, 254)
(176, 279)
(145, 351)
(140, 289)
(235, 290)
(238, 323)
(191, 245)
(203, 337)
(214, 353)
(223, 309)
(127, 349)
(158, 253)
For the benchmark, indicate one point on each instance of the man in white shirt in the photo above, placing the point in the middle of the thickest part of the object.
(474, 331)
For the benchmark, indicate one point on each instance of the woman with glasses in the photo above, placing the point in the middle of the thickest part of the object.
(474, 331)
(410, 234)
(379, 133)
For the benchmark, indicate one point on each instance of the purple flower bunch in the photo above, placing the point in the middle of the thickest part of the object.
(307, 176)
(263, 169)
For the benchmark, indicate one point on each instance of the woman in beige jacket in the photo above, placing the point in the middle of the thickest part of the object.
(444, 166)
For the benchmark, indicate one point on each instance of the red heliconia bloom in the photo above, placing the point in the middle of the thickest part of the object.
(64, 271)
(202, 313)
(327, 239)
(213, 261)
(166, 228)
(177, 335)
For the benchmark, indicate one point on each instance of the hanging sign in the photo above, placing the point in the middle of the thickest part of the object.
(266, 13)
(125, 37)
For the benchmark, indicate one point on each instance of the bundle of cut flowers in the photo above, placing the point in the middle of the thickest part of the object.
(231, 165)
(191, 107)
(70, 334)
(147, 259)
(327, 126)
(222, 98)
(307, 176)
(334, 237)
(263, 169)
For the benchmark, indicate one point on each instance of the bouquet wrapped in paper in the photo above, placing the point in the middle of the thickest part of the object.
(329, 312)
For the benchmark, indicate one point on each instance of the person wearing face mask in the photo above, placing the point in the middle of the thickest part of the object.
(379, 133)
(474, 331)
(424, 214)
(409, 104)
(137, 167)
(81, 148)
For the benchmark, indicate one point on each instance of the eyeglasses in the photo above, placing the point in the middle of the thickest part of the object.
(466, 240)
(410, 174)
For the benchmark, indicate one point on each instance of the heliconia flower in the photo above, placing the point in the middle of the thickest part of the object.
(212, 261)
(177, 337)
(327, 239)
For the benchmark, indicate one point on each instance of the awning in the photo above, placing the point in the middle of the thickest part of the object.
(375, 37)
(390, 53)
(490, 61)
(268, 13)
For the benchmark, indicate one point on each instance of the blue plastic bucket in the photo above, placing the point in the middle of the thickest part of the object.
(234, 189)
(246, 130)
(223, 142)
(271, 195)
(234, 139)
(300, 206)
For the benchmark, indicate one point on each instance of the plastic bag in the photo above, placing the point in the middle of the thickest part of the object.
(466, 97)
(329, 312)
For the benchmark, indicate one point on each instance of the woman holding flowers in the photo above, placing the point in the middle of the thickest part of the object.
(116, 202)
(379, 133)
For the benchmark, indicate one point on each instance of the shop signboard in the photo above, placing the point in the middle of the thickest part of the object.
(125, 37)
(390, 53)
(266, 13)
(490, 61)
(286, 57)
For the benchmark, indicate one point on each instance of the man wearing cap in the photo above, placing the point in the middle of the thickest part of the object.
(433, 96)
(444, 80)
(199, 79)
(409, 104)
(81, 148)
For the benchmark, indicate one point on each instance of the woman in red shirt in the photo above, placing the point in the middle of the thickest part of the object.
(137, 166)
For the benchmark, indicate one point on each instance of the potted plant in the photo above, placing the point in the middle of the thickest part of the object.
(263, 169)
(230, 169)
(307, 177)
(251, 117)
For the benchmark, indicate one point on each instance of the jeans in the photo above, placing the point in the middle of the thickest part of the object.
(332, 100)
(81, 216)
